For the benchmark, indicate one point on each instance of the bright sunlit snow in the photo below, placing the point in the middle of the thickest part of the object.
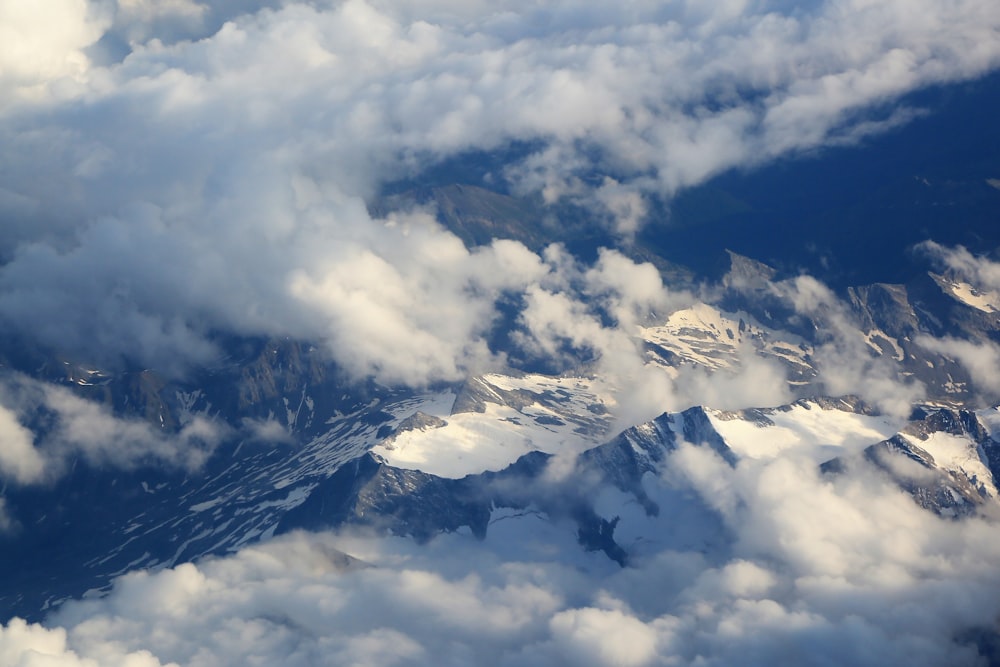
(803, 429)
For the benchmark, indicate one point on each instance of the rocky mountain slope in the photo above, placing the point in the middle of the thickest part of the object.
(285, 441)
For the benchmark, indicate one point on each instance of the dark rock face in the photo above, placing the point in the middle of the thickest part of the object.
(952, 422)
(369, 493)
(311, 468)
(748, 287)
(75, 533)
(885, 307)
(745, 272)
(475, 393)
(476, 215)
(959, 318)
(941, 491)
(85, 527)
(405, 502)
(945, 492)
(894, 318)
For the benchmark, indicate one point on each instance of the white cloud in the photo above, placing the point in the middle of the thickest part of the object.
(18, 457)
(31, 645)
(975, 281)
(980, 358)
(847, 364)
(603, 637)
(983, 273)
(43, 43)
(756, 382)
(89, 428)
(77, 427)
(213, 178)
(8, 524)
(815, 570)
(418, 310)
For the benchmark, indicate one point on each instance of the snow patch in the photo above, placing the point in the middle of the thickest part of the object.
(556, 414)
(987, 302)
(957, 454)
(805, 429)
(705, 336)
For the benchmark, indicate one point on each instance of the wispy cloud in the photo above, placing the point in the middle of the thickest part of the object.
(45, 427)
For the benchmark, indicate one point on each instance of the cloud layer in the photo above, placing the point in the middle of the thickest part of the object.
(172, 171)
(176, 169)
(782, 567)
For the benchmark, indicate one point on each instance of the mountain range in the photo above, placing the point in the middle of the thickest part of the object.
(307, 448)
(514, 334)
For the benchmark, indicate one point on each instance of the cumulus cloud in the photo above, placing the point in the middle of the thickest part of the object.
(595, 313)
(42, 44)
(813, 570)
(24, 645)
(210, 173)
(213, 176)
(421, 308)
(757, 381)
